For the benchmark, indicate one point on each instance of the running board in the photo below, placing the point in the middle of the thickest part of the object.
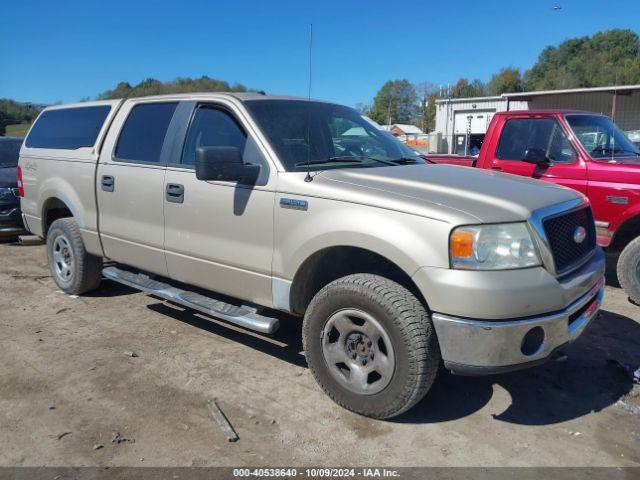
(244, 316)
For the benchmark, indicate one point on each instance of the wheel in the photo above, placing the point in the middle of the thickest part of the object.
(370, 345)
(629, 270)
(74, 270)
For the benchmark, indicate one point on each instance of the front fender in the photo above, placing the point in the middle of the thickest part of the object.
(409, 241)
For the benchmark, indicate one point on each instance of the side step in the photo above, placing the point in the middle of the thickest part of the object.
(244, 316)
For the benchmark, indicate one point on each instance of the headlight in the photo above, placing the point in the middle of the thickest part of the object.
(493, 247)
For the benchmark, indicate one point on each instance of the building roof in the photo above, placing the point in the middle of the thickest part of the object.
(469, 99)
(407, 128)
(539, 93)
(613, 88)
(355, 132)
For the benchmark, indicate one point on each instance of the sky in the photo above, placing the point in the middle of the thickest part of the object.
(63, 51)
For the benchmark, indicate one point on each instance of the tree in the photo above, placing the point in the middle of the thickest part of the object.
(363, 108)
(151, 86)
(12, 112)
(611, 57)
(395, 102)
(464, 89)
(507, 80)
(424, 91)
(431, 111)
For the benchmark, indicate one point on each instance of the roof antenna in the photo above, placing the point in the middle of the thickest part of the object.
(310, 55)
(308, 178)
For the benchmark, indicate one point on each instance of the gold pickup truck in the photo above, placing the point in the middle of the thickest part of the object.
(242, 205)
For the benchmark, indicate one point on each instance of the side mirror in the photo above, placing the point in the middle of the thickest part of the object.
(537, 156)
(224, 163)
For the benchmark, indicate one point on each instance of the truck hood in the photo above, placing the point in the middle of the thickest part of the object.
(450, 193)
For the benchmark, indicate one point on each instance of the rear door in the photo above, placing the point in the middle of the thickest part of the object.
(219, 234)
(130, 185)
(544, 133)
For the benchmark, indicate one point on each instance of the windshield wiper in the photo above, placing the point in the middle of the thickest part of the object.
(345, 159)
(405, 161)
(614, 150)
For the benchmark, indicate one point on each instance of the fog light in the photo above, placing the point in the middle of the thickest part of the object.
(532, 341)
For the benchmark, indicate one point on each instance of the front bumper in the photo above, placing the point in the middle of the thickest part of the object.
(478, 347)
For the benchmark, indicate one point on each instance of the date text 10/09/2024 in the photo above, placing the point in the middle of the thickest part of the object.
(316, 472)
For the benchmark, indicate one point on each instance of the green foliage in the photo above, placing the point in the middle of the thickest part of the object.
(424, 91)
(430, 113)
(507, 80)
(363, 108)
(151, 86)
(395, 102)
(464, 89)
(608, 58)
(17, 130)
(12, 112)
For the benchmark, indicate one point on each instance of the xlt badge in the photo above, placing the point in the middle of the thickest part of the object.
(294, 203)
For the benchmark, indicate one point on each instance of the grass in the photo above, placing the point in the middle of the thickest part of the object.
(18, 130)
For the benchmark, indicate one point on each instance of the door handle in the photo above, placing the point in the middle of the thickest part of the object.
(174, 193)
(108, 183)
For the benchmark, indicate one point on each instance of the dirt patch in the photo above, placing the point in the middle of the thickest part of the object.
(71, 354)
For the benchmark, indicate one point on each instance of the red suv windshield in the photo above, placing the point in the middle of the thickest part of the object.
(600, 137)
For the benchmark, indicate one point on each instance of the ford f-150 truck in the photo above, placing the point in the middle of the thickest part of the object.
(243, 205)
(584, 151)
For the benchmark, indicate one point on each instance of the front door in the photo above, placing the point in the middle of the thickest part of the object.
(546, 134)
(130, 186)
(219, 234)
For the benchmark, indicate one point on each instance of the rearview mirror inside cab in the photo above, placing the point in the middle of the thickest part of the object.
(224, 163)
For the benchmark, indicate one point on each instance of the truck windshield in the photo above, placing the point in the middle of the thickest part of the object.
(600, 137)
(320, 136)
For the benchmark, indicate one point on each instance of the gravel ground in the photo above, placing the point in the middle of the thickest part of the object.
(72, 394)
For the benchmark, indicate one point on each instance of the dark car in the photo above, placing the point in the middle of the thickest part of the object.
(10, 218)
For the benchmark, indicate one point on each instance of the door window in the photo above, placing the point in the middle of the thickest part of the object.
(215, 127)
(519, 135)
(143, 133)
(212, 127)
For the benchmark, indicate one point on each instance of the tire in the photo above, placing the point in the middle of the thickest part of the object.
(73, 269)
(339, 334)
(629, 270)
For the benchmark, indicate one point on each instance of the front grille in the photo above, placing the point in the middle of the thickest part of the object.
(560, 232)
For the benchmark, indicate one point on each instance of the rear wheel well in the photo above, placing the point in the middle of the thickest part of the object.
(626, 232)
(53, 209)
(329, 264)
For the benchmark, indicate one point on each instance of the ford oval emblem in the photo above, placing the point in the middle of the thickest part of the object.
(579, 234)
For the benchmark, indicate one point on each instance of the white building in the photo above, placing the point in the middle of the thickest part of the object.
(461, 123)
